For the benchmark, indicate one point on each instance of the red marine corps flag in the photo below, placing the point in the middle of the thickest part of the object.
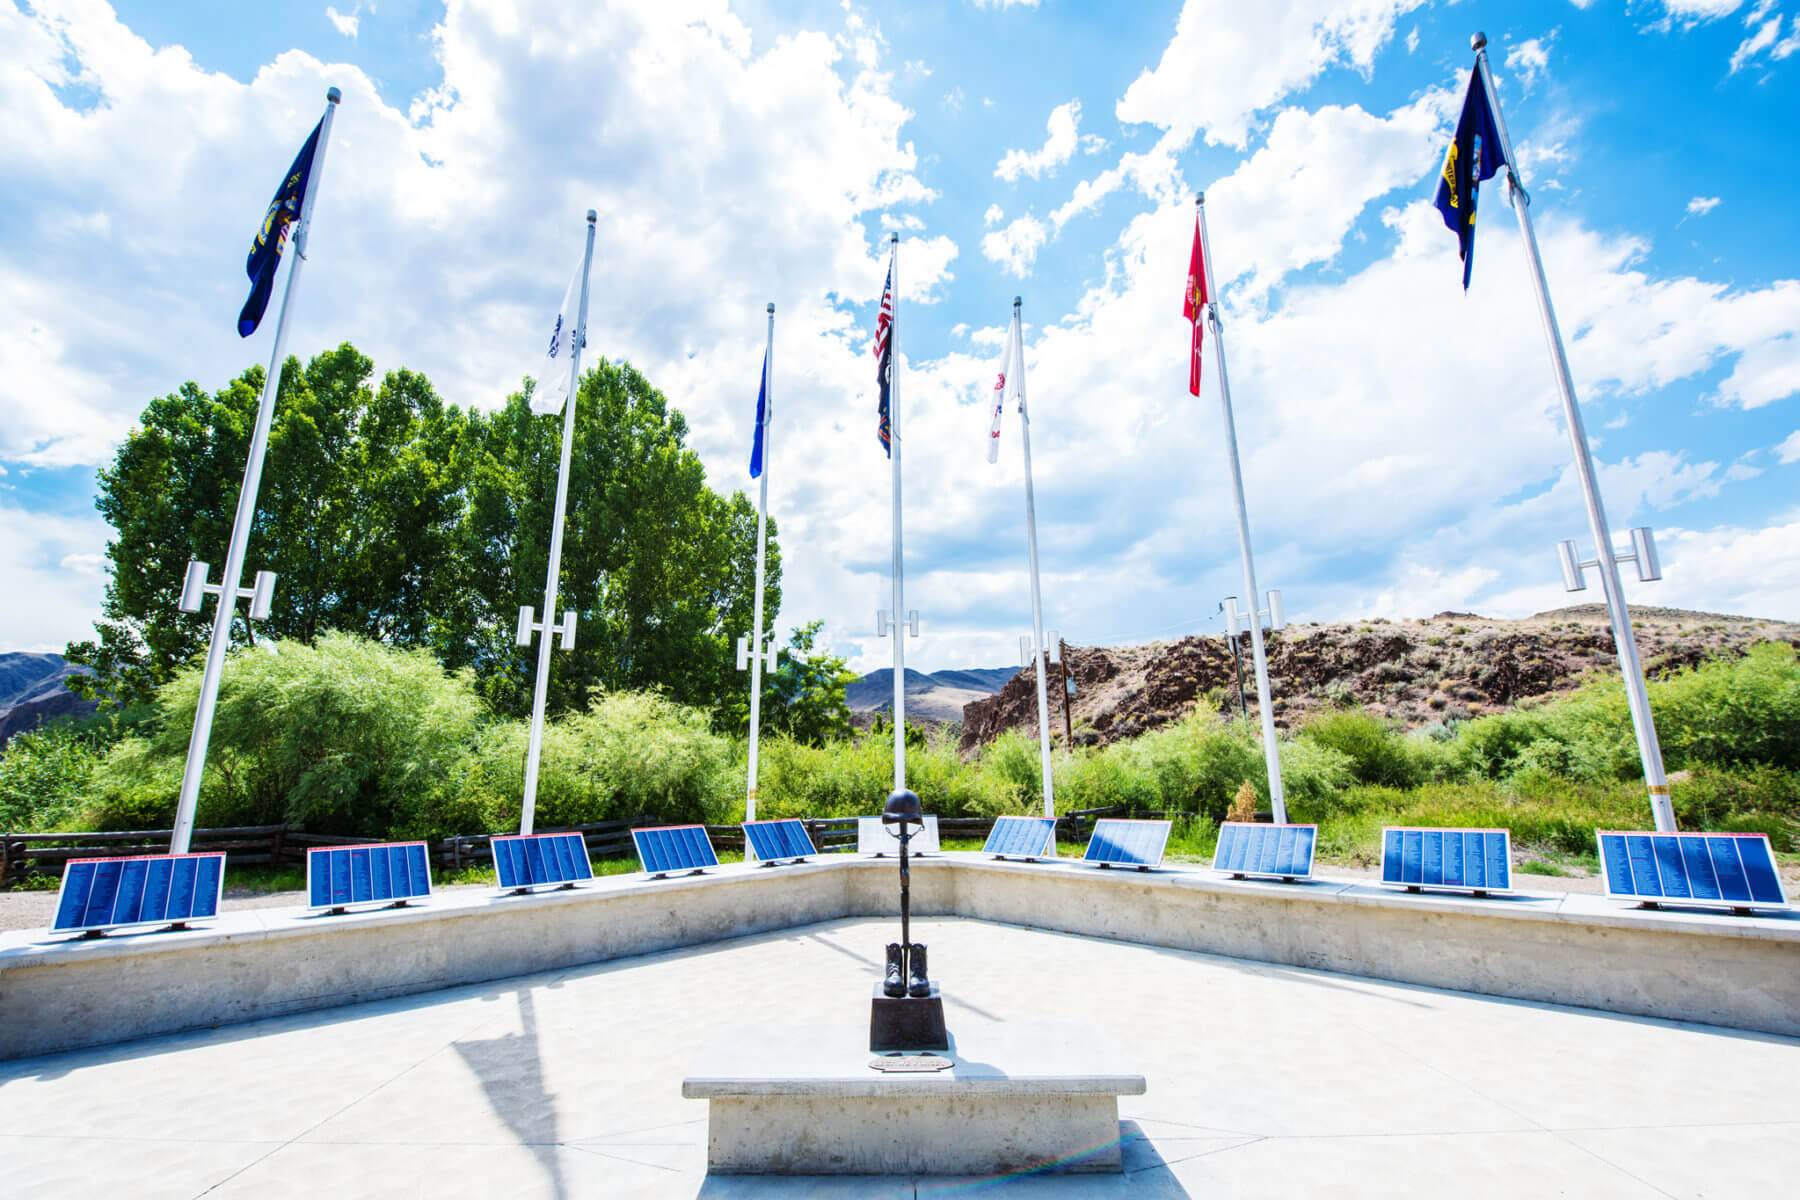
(1193, 307)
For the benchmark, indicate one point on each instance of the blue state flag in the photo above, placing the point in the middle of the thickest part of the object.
(1475, 154)
(272, 235)
(762, 420)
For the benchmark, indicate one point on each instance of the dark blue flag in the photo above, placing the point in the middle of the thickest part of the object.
(762, 419)
(272, 235)
(1475, 155)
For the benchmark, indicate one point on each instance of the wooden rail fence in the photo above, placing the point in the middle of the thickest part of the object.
(250, 845)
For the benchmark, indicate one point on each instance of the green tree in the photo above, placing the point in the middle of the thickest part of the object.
(360, 504)
(387, 513)
(805, 697)
(658, 567)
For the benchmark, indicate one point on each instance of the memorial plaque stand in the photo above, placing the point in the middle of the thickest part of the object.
(903, 1020)
(901, 1023)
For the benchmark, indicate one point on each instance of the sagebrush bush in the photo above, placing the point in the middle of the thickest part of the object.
(44, 776)
(628, 755)
(343, 735)
(1378, 752)
(351, 736)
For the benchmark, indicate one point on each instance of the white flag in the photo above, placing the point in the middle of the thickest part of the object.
(553, 377)
(1001, 385)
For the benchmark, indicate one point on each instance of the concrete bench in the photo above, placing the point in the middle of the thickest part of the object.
(805, 1101)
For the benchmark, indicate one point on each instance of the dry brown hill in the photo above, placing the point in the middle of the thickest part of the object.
(1451, 666)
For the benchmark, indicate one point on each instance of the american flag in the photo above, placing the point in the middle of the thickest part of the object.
(884, 325)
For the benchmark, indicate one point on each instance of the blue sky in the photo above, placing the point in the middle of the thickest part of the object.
(1401, 443)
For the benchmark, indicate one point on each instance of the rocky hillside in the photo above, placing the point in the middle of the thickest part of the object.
(32, 690)
(938, 697)
(1451, 666)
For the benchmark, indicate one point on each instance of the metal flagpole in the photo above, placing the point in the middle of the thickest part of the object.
(546, 626)
(229, 588)
(1637, 698)
(899, 619)
(762, 544)
(1271, 752)
(1038, 655)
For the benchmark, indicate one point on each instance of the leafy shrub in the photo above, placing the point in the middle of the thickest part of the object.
(1013, 760)
(1116, 774)
(1732, 713)
(44, 774)
(1378, 752)
(345, 735)
(628, 755)
(843, 779)
(1489, 747)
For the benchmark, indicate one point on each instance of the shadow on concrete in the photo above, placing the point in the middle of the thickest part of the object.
(510, 1069)
(55, 1066)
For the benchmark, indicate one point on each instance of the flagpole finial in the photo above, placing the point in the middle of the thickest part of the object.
(1478, 43)
(1017, 301)
(333, 95)
(893, 238)
(592, 216)
(771, 307)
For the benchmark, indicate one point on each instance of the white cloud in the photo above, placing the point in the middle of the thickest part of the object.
(444, 232)
(47, 568)
(1059, 146)
(1529, 60)
(1015, 247)
(1005, 4)
(346, 25)
(1368, 418)
(1788, 451)
(1291, 204)
(1762, 39)
(1412, 39)
(927, 268)
(1229, 60)
(1765, 372)
(1733, 569)
(1695, 12)
(1699, 206)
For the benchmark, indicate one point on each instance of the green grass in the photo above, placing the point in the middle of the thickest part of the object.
(263, 880)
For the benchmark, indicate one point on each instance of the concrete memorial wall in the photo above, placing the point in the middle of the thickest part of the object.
(58, 993)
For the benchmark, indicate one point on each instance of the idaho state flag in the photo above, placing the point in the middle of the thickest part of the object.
(271, 237)
(1193, 307)
(762, 420)
(1475, 154)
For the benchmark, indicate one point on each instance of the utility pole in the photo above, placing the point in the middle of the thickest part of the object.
(1062, 659)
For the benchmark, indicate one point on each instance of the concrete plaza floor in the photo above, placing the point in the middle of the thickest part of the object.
(1263, 1081)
